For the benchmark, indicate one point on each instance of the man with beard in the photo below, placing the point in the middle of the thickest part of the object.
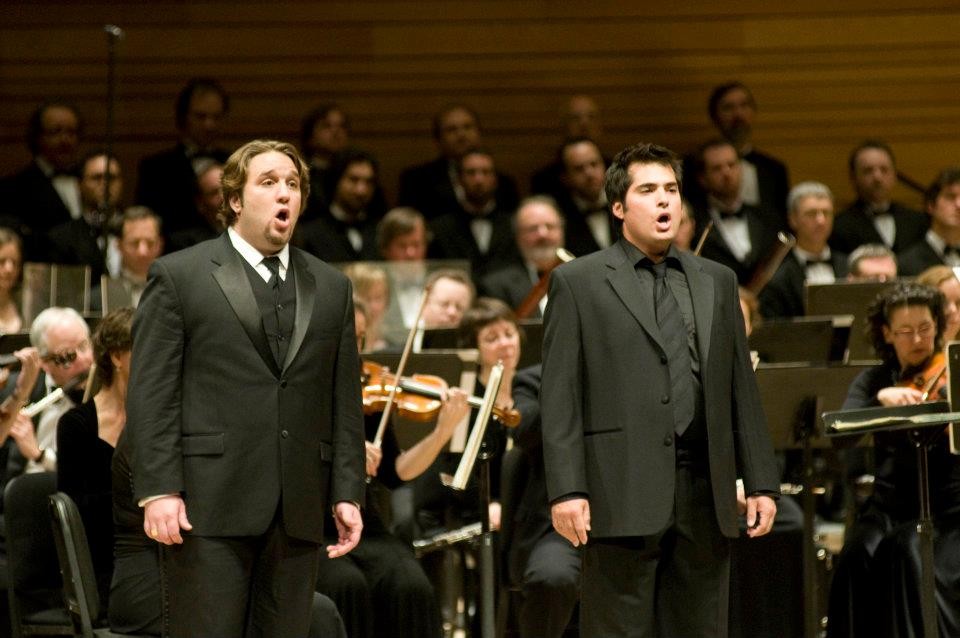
(539, 229)
(346, 230)
(480, 230)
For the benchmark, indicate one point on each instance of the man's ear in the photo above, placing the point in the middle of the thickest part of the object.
(617, 210)
(236, 203)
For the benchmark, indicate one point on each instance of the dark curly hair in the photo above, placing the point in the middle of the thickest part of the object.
(899, 296)
(112, 336)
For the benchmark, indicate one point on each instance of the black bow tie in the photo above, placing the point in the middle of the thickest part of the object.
(814, 262)
(740, 213)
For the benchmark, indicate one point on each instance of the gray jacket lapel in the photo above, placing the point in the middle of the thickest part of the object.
(627, 286)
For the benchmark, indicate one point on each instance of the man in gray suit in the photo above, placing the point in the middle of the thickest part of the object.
(244, 411)
(650, 413)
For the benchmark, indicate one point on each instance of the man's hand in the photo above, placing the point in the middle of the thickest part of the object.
(374, 455)
(163, 518)
(25, 437)
(571, 519)
(349, 525)
(764, 507)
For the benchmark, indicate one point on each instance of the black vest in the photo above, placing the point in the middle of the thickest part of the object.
(278, 309)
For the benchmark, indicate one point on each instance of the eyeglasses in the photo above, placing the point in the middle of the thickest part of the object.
(909, 334)
(65, 358)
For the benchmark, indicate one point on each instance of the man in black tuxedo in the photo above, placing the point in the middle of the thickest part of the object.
(810, 206)
(168, 179)
(479, 229)
(539, 228)
(650, 411)
(434, 188)
(941, 244)
(743, 235)
(580, 118)
(346, 230)
(589, 225)
(46, 192)
(244, 409)
(874, 218)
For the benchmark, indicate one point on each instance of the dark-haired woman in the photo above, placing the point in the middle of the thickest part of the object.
(876, 589)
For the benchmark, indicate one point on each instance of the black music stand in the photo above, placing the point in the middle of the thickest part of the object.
(793, 396)
(803, 339)
(923, 423)
(847, 298)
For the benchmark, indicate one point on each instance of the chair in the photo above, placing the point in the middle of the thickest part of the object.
(76, 566)
(35, 591)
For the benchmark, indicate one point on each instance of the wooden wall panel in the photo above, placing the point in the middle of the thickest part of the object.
(825, 74)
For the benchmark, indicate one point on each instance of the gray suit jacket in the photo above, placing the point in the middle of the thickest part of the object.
(212, 415)
(607, 431)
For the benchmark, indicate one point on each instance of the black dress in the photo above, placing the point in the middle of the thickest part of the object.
(876, 583)
(83, 473)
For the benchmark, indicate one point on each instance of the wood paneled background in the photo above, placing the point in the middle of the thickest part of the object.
(826, 74)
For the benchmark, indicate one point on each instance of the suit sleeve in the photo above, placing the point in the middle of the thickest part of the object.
(755, 458)
(348, 480)
(154, 394)
(561, 395)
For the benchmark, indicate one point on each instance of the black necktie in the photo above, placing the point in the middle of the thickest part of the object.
(674, 333)
(273, 265)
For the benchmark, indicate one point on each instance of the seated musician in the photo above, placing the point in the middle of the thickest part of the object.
(945, 280)
(379, 587)
(870, 594)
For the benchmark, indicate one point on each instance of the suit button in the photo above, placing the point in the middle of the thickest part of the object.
(283, 383)
(665, 399)
(284, 434)
(663, 360)
(668, 440)
(279, 306)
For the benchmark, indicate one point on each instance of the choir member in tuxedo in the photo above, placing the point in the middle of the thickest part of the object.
(324, 132)
(167, 180)
(589, 224)
(139, 243)
(875, 218)
(208, 198)
(810, 206)
(875, 587)
(244, 410)
(580, 118)
(46, 192)
(346, 229)
(941, 244)
(402, 239)
(650, 411)
(743, 234)
(539, 228)
(434, 188)
(872, 262)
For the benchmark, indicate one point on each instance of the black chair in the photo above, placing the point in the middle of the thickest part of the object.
(76, 566)
(35, 590)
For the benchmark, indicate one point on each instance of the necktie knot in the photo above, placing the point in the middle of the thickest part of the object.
(659, 270)
(273, 265)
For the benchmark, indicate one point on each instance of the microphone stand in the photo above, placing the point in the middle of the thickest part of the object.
(114, 35)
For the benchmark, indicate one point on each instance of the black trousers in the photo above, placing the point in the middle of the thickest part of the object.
(675, 583)
(251, 587)
(550, 587)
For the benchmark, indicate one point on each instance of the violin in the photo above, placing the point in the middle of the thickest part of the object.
(930, 379)
(417, 396)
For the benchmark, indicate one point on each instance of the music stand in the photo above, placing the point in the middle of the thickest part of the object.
(793, 396)
(800, 339)
(847, 298)
(923, 423)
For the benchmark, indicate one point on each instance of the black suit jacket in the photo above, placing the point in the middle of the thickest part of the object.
(917, 258)
(168, 186)
(326, 238)
(427, 188)
(763, 236)
(607, 432)
(854, 227)
(510, 284)
(31, 205)
(773, 184)
(214, 418)
(453, 239)
(75, 242)
(577, 236)
(783, 295)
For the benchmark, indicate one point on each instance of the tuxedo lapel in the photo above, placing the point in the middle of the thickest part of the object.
(235, 284)
(306, 297)
(702, 295)
(627, 286)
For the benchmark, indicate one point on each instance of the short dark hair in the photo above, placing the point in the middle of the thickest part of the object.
(699, 164)
(573, 141)
(310, 120)
(476, 150)
(112, 336)
(898, 296)
(865, 145)
(35, 123)
(945, 178)
(343, 160)
(617, 181)
(397, 222)
(136, 213)
(484, 312)
(436, 123)
(193, 87)
(720, 91)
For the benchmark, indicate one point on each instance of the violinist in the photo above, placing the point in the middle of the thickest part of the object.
(379, 587)
(945, 280)
(875, 590)
(539, 230)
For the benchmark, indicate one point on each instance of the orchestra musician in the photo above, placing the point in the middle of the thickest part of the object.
(875, 589)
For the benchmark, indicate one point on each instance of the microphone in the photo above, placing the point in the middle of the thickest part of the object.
(10, 362)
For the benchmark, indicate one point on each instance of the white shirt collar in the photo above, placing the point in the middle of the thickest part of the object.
(253, 256)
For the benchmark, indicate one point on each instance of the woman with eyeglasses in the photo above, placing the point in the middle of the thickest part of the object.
(876, 582)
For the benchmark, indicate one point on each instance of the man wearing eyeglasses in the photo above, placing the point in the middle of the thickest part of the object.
(62, 339)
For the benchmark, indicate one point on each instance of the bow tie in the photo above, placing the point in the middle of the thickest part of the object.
(740, 213)
(814, 262)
